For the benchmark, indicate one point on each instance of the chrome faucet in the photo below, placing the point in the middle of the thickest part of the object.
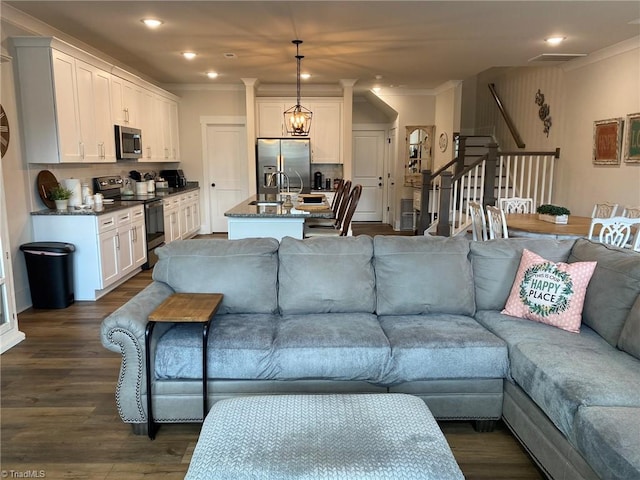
(274, 176)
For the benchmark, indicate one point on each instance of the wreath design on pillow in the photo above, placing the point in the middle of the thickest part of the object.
(560, 301)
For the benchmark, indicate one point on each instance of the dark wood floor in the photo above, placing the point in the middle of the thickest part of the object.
(59, 418)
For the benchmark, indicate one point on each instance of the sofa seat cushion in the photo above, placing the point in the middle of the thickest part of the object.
(324, 274)
(423, 274)
(239, 348)
(608, 437)
(245, 271)
(561, 377)
(441, 346)
(335, 346)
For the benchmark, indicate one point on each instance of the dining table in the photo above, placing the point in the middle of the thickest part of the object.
(529, 225)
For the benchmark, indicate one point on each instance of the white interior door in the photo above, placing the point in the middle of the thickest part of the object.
(368, 171)
(225, 150)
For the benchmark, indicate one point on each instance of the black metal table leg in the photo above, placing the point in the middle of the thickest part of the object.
(151, 426)
(205, 342)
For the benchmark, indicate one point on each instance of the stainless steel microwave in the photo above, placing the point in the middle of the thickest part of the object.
(128, 142)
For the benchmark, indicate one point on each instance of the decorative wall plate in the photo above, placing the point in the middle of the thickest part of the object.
(443, 142)
(4, 132)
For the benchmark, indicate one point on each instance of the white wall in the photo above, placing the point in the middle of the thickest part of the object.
(604, 85)
(607, 88)
(447, 121)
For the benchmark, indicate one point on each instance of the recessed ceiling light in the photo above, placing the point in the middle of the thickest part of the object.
(212, 74)
(152, 22)
(555, 40)
(305, 76)
(189, 55)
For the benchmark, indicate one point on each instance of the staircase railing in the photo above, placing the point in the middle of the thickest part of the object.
(446, 194)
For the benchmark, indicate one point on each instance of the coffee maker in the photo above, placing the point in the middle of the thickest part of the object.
(317, 181)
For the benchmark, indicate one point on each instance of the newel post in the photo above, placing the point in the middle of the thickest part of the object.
(423, 221)
(490, 173)
(444, 229)
(462, 146)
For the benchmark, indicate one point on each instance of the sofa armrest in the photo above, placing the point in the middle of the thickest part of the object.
(123, 332)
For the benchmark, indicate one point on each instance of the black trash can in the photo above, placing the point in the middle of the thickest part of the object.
(50, 272)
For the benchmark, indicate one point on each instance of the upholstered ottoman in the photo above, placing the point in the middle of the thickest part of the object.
(374, 436)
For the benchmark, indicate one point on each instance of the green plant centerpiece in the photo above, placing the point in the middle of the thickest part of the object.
(61, 196)
(553, 213)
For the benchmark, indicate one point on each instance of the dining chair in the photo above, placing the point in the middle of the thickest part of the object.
(342, 195)
(604, 210)
(617, 231)
(497, 223)
(341, 230)
(516, 205)
(478, 221)
(631, 212)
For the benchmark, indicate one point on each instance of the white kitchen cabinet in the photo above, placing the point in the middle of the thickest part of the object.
(326, 132)
(70, 101)
(189, 214)
(109, 248)
(65, 103)
(139, 240)
(171, 207)
(271, 118)
(326, 125)
(127, 102)
(94, 110)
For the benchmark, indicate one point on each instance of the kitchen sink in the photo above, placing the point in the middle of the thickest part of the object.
(267, 203)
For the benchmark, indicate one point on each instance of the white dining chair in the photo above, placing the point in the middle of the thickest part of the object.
(516, 205)
(497, 223)
(604, 210)
(631, 212)
(478, 221)
(617, 231)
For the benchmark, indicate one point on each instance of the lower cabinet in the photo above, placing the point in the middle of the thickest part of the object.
(181, 216)
(109, 247)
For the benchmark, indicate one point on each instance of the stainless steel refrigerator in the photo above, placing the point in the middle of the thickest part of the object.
(289, 155)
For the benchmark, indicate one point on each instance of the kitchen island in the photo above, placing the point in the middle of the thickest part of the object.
(267, 216)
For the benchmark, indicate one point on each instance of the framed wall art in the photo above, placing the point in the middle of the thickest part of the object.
(632, 141)
(607, 140)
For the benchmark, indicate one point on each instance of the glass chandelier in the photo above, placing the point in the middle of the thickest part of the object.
(297, 119)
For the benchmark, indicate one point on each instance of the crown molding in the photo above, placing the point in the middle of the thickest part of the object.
(599, 55)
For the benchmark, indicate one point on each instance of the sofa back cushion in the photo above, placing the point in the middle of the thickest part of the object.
(326, 275)
(245, 271)
(629, 340)
(614, 287)
(495, 264)
(423, 274)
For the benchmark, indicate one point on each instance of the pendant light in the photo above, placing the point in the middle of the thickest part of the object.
(297, 119)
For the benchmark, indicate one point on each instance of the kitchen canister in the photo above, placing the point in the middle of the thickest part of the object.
(141, 188)
(75, 186)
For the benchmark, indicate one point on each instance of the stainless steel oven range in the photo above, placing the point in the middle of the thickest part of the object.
(110, 187)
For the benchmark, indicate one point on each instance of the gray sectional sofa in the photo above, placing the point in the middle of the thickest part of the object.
(418, 315)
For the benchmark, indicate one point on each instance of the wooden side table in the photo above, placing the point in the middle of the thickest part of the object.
(181, 308)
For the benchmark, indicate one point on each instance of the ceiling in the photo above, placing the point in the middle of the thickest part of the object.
(411, 45)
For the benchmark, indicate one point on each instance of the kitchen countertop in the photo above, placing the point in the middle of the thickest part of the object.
(246, 210)
(118, 204)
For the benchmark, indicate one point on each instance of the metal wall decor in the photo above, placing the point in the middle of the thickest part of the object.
(543, 112)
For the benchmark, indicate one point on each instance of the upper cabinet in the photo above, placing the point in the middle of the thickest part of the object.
(326, 124)
(71, 100)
